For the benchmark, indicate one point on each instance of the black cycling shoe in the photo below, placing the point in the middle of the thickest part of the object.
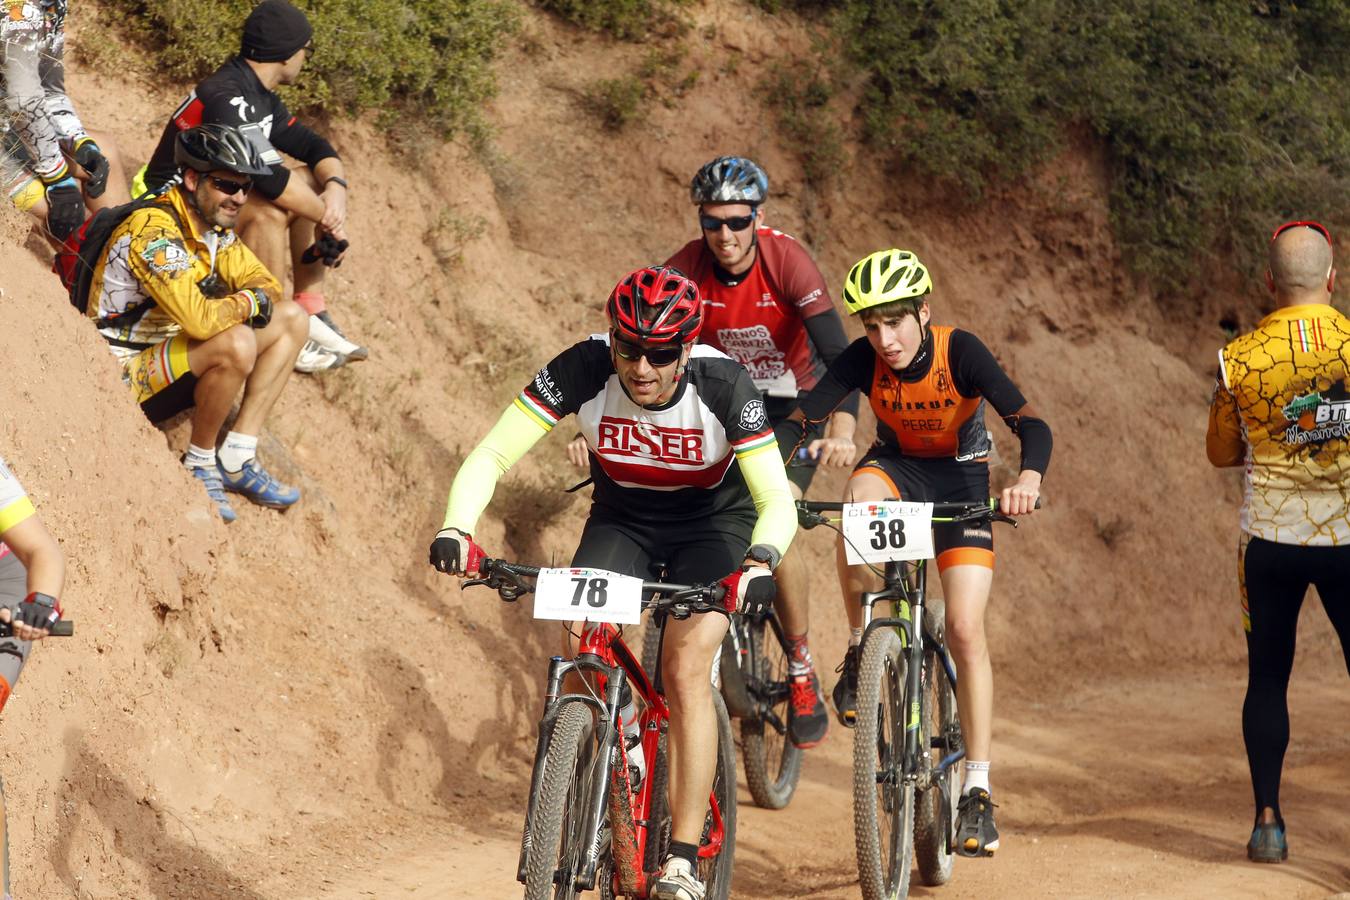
(976, 834)
(808, 720)
(1268, 844)
(845, 693)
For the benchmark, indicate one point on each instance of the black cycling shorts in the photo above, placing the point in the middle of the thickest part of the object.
(697, 552)
(800, 467)
(941, 480)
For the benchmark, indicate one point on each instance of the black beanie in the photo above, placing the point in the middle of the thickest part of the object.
(274, 31)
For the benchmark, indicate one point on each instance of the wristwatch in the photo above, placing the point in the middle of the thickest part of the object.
(763, 553)
(331, 178)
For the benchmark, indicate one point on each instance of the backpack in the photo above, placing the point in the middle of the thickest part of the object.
(80, 254)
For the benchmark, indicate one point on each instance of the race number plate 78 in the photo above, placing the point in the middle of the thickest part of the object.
(571, 595)
(887, 530)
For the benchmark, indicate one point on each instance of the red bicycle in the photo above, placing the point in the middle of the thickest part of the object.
(598, 815)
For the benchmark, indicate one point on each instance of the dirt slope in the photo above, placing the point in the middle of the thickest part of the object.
(294, 706)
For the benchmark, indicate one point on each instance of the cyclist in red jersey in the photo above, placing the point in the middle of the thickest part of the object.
(766, 306)
(928, 386)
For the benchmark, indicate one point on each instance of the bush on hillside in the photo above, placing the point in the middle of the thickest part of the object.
(1219, 117)
(423, 64)
(629, 20)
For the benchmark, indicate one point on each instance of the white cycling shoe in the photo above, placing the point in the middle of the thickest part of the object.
(321, 333)
(677, 881)
(314, 358)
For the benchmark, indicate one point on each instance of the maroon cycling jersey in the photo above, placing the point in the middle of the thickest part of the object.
(758, 320)
(676, 461)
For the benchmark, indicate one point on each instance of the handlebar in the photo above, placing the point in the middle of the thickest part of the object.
(809, 511)
(508, 579)
(62, 628)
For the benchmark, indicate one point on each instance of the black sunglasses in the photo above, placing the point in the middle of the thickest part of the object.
(657, 356)
(230, 188)
(735, 223)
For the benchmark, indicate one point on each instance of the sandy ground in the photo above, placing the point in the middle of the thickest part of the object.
(296, 706)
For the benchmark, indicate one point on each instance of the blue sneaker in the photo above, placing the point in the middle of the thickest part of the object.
(1268, 844)
(256, 484)
(215, 489)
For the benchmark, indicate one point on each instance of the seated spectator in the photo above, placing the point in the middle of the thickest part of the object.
(32, 573)
(50, 166)
(193, 315)
(297, 208)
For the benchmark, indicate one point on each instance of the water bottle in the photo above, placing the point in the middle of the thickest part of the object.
(632, 736)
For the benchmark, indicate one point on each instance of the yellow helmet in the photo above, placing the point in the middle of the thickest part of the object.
(885, 277)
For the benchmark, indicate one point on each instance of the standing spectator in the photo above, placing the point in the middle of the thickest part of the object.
(1282, 407)
(299, 216)
(32, 573)
(50, 166)
(193, 315)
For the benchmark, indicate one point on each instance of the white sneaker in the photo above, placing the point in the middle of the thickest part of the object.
(320, 333)
(314, 358)
(677, 881)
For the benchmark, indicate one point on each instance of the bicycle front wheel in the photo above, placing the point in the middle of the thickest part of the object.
(556, 843)
(940, 734)
(883, 802)
(773, 764)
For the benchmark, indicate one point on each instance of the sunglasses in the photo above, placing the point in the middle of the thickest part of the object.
(657, 356)
(309, 49)
(230, 188)
(735, 223)
(1304, 223)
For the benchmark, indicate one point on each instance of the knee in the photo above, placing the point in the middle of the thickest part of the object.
(261, 213)
(236, 348)
(965, 635)
(293, 320)
(688, 682)
(306, 176)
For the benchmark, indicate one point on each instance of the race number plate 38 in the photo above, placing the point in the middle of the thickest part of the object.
(571, 595)
(887, 530)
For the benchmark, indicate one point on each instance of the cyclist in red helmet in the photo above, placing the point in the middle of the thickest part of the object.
(686, 472)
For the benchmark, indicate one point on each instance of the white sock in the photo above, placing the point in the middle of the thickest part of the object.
(855, 637)
(197, 458)
(977, 776)
(237, 450)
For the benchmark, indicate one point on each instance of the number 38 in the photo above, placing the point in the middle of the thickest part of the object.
(887, 534)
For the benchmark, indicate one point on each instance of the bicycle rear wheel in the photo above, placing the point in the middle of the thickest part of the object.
(555, 840)
(940, 733)
(883, 802)
(714, 871)
(773, 764)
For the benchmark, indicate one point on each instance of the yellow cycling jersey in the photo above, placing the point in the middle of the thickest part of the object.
(150, 257)
(1282, 407)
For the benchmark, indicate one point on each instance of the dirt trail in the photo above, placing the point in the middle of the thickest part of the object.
(296, 706)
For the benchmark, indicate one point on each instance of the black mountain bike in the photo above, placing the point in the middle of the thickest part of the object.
(907, 739)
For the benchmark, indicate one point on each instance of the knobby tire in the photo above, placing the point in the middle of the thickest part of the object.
(883, 813)
(561, 804)
(773, 764)
(935, 808)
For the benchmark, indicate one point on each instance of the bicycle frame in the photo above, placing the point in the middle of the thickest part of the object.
(605, 660)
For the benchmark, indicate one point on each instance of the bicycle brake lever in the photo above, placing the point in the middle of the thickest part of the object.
(475, 582)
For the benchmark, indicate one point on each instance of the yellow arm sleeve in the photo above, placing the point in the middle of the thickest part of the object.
(510, 439)
(767, 480)
(1225, 443)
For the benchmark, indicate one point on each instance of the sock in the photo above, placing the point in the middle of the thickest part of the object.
(799, 655)
(977, 776)
(855, 637)
(237, 450)
(686, 852)
(197, 458)
(310, 301)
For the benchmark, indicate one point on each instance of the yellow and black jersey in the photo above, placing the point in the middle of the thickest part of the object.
(159, 256)
(1282, 407)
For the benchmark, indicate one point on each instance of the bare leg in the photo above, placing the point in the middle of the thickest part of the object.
(262, 226)
(793, 603)
(221, 364)
(853, 580)
(278, 345)
(688, 658)
(966, 589)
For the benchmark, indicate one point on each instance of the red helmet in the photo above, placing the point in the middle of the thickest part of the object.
(656, 305)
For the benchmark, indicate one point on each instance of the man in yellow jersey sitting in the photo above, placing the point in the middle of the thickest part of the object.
(686, 472)
(1282, 407)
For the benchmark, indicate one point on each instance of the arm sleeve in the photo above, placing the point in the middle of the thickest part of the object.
(161, 263)
(975, 372)
(25, 99)
(1225, 444)
(826, 332)
(767, 480)
(59, 107)
(510, 439)
(303, 143)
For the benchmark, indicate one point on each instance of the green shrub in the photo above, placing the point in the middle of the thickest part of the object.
(615, 100)
(431, 59)
(801, 101)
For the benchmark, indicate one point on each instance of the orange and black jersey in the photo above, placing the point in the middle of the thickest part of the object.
(934, 407)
